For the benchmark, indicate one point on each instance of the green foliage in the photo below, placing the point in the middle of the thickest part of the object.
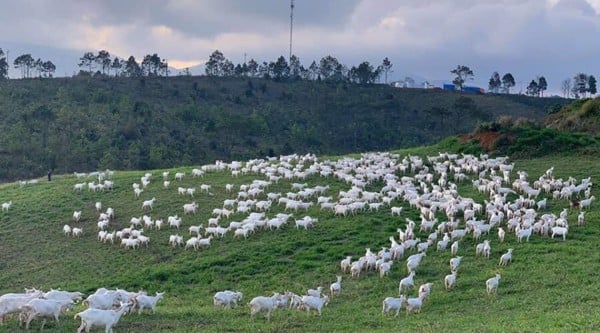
(84, 123)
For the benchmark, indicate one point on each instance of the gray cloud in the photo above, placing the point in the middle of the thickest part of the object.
(555, 38)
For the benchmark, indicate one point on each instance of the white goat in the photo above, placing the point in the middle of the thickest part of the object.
(315, 292)
(101, 318)
(6, 206)
(393, 303)
(336, 287)
(407, 282)
(506, 258)
(227, 298)
(454, 263)
(263, 304)
(144, 301)
(560, 231)
(450, 280)
(313, 302)
(414, 304)
(76, 232)
(44, 308)
(148, 203)
(76, 216)
(491, 285)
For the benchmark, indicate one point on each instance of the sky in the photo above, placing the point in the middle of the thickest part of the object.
(424, 39)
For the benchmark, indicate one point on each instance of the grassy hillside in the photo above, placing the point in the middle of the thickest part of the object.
(74, 124)
(580, 116)
(551, 286)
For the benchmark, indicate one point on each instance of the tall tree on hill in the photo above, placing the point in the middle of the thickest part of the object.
(565, 87)
(214, 65)
(580, 85)
(463, 73)
(363, 74)
(116, 65)
(132, 68)
(103, 60)
(3, 65)
(495, 82)
(151, 65)
(252, 68)
(281, 70)
(295, 67)
(328, 66)
(48, 68)
(592, 89)
(25, 62)
(87, 60)
(386, 66)
(533, 89)
(227, 68)
(313, 70)
(542, 85)
(508, 81)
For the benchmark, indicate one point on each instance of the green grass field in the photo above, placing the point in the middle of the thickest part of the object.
(551, 286)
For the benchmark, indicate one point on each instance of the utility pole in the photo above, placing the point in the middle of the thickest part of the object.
(291, 25)
(8, 64)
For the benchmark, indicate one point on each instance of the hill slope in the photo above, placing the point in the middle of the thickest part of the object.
(546, 276)
(78, 124)
(580, 116)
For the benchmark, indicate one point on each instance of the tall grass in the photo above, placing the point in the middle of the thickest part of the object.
(551, 286)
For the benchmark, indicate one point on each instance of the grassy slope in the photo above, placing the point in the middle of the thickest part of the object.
(551, 286)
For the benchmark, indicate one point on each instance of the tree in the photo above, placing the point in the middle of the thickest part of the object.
(386, 67)
(87, 60)
(116, 65)
(313, 70)
(214, 65)
(566, 87)
(508, 81)
(103, 60)
(48, 68)
(592, 85)
(227, 68)
(132, 68)
(533, 88)
(25, 62)
(3, 65)
(463, 73)
(363, 74)
(151, 65)
(329, 67)
(164, 67)
(281, 70)
(295, 68)
(252, 68)
(580, 85)
(495, 83)
(542, 85)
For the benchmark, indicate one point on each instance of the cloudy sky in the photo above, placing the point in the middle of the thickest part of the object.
(422, 38)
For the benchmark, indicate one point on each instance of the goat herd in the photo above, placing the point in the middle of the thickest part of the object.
(428, 186)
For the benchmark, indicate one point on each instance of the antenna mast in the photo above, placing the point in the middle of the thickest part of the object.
(291, 25)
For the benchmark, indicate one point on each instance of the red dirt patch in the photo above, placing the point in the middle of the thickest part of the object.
(485, 139)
